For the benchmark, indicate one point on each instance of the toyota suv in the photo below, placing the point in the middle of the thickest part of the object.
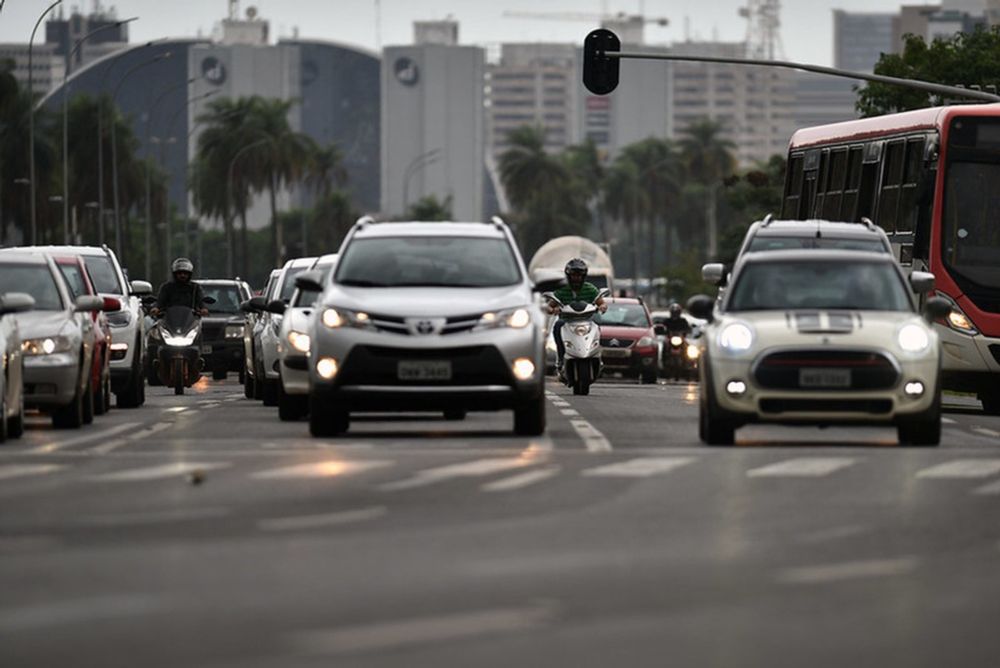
(435, 317)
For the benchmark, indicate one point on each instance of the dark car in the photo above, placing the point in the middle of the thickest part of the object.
(222, 329)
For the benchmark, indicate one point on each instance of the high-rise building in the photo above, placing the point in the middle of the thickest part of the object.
(47, 67)
(860, 39)
(65, 32)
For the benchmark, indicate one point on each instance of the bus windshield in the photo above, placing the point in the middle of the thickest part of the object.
(971, 229)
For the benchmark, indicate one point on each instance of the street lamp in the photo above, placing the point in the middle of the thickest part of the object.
(415, 166)
(31, 120)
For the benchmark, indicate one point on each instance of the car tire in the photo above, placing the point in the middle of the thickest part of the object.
(648, 377)
(714, 428)
(242, 375)
(924, 429)
(88, 404)
(270, 392)
(258, 385)
(4, 420)
(152, 377)
(291, 407)
(133, 394)
(249, 391)
(69, 416)
(581, 378)
(102, 400)
(219, 374)
(15, 424)
(326, 421)
(990, 401)
(455, 414)
(529, 417)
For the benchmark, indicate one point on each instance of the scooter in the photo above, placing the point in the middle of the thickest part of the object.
(179, 362)
(680, 358)
(582, 364)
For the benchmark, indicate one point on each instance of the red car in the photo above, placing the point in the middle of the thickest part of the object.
(628, 342)
(78, 279)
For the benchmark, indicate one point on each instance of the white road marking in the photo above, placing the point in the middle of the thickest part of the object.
(802, 467)
(399, 634)
(176, 409)
(986, 432)
(479, 467)
(948, 420)
(111, 446)
(640, 468)
(160, 517)
(320, 521)
(848, 570)
(210, 404)
(989, 489)
(76, 611)
(570, 412)
(323, 469)
(520, 480)
(962, 469)
(86, 437)
(157, 472)
(21, 470)
(593, 439)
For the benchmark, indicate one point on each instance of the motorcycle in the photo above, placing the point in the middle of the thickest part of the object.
(680, 357)
(179, 362)
(582, 364)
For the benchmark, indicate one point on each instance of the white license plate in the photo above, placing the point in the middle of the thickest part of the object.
(424, 370)
(206, 349)
(837, 378)
(615, 352)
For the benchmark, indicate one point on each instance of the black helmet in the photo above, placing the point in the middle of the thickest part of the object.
(675, 310)
(576, 266)
(182, 264)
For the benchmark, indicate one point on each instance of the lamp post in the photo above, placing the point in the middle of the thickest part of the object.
(31, 121)
(65, 114)
(418, 163)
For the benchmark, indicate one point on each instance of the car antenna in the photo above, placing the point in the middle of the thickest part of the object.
(819, 235)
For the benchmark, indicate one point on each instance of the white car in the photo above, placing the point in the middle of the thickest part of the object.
(254, 310)
(821, 337)
(12, 372)
(294, 342)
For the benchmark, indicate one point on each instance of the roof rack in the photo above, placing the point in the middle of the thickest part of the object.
(364, 220)
(498, 222)
(768, 219)
(868, 223)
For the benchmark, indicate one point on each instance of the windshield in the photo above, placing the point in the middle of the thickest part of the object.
(35, 280)
(227, 299)
(623, 315)
(102, 273)
(288, 282)
(452, 262)
(74, 279)
(864, 286)
(770, 243)
(310, 297)
(971, 229)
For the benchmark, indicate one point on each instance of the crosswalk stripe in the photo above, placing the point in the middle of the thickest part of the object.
(948, 420)
(157, 472)
(320, 521)
(962, 469)
(989, 489)
(20, 470)
(324, 469)
(983, 431)
(520, 480)
(802, 467)
(642, 467)
(479, 467)
(87, 436)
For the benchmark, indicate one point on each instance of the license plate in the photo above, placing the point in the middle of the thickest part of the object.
(614, 352)
(206, 349)
(424, 370)
(838, 378)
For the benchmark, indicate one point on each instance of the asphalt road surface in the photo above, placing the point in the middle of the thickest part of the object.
(201, 531)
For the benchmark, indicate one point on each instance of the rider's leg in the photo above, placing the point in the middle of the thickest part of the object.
(560, 346)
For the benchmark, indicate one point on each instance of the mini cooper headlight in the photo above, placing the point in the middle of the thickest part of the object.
(913, 338)
(736, 337)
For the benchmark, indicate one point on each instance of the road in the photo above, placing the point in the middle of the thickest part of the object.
(201, 531)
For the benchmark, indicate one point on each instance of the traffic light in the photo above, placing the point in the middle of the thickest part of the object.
(600, 73)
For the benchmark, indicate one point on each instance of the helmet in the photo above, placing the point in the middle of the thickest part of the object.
(182, 264)
(576, 266)
(675, 310)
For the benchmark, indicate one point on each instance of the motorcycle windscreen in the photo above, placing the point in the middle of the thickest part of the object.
(179, 320)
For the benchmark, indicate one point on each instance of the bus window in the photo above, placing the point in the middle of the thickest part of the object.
(822, 179)
(835, 185)
(892, 178)
(912, 174)
(790, 209)
(852, 184)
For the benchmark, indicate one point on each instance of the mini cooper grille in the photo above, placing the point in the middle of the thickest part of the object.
(872, 406)
(868, 370)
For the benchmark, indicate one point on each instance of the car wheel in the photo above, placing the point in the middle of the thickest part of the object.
(219, 374)
(242, 375)
(291, 407)
(258, 385)
(529, 417)
(152, 377)
(3, 418)
(991, 402)
(88, 404)
(581, 378)
(455, 414)
(923, 430)
(270, 392)
(714, 428)
(15, 423)
(325, 421)
(133, 394)
(249, 391)
(69, 416)
(102, 398)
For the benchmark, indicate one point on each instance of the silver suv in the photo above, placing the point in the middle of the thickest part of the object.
(426, 317)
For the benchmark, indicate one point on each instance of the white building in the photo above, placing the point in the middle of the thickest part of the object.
(47, 67)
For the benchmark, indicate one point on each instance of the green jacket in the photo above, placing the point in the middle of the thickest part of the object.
(588, 293)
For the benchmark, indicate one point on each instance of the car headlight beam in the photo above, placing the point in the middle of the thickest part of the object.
(913, 338)
(736, 337)
(299, 341)
(46, 345)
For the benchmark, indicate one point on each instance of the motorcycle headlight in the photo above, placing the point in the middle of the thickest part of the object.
(676, 341)
(693, 352)
(646, 341)
(234, 331)
(913, 338)
(515, 318)
(337, 318)
(581, 330)
(736, 337)
(299, 341)
(185, 340)
(47, 345)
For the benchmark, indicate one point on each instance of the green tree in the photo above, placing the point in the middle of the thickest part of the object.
(430, 208)
(708, 159)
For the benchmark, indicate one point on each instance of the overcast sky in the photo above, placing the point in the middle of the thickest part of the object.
(806, 24)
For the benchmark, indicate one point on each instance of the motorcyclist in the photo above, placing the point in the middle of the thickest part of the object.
(181, 291)
(577, 289)
(676, 324)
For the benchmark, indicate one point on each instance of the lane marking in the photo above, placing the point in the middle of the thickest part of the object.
(157, 472)
(986, 432)
(111, 446)
(476, 468)
(85, 437)
(210, 404)
(76, 611)
(325, 469)
(156, 517)
(849, 570)
(176, 409)
(948, 420)
(320, 521)
(569, 412)
(962, 469)
(593, 439)
(399, 634)
(802, 467)
(989, 489)
(642, 467)
(520, 480)
(21, 470)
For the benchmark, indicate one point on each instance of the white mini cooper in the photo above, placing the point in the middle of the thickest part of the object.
(821, 337)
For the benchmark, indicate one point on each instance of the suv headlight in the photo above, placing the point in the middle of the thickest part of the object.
(46, 345)
(913, 338)
(299, 341)
(515, 318)
(736, 337)
(234, 331)
(335, 318)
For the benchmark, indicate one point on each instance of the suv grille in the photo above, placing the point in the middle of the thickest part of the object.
(378, 365)
(868, 370)
(396, 325)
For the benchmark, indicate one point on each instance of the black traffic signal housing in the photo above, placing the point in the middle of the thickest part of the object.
(600, 72)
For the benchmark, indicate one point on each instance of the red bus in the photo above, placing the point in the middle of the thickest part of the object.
(931, 180)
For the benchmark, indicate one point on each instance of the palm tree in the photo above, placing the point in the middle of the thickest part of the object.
(586, 167)
(709, 159)
(659, 176)
(626, 200)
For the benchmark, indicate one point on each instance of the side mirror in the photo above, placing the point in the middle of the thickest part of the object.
(16, 302)
(208, 300)
(713, 273)
(701, 306)
(659, 330)
(112, 305)
(936, 308)
(253, 305)
(311, 281)
(141, 288)
(922, 282)
(88, 303)
(276, 306)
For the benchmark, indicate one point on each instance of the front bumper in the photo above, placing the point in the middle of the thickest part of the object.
(51, 380)
(295, 374)
(225, 355)
(628, 361)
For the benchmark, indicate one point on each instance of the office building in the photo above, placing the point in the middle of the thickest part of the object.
(860, 39)
(104, 35)
(47, 67)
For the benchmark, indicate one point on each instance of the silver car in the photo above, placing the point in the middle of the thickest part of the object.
(12, 373)
(56, 342)
(427, 317)
(254, 310)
